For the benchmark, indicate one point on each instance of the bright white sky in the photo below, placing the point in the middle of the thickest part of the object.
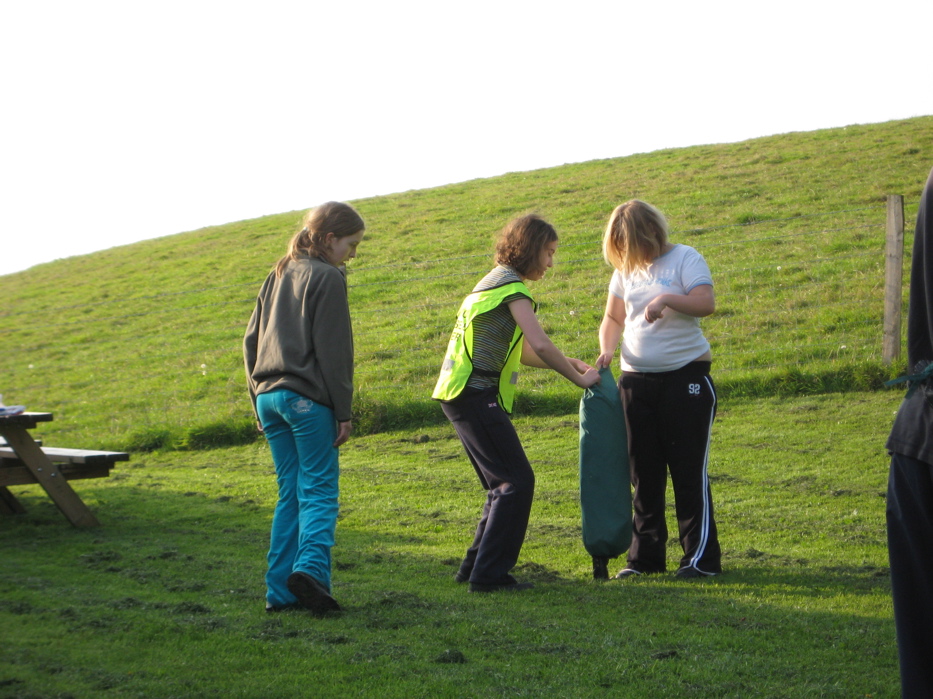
(125, 120)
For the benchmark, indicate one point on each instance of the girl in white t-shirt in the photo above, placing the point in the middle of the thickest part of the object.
(658, 292)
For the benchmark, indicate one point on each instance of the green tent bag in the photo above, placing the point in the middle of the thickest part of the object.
(605, 484)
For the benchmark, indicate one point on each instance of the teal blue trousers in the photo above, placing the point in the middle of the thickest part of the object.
(301, 435)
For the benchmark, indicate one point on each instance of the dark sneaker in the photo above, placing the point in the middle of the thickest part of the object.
(461, 578)
(627, 573)
(311, 594)
(600, 568)
(689, 572)
(503, 587)
(272, 608)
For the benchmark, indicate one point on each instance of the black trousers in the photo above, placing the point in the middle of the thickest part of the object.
(499, 460)
(910, 551)
(669, 416)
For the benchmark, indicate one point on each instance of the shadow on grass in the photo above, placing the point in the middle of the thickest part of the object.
(188, 567)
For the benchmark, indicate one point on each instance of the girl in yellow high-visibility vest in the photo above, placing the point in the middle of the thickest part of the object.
(496, 330)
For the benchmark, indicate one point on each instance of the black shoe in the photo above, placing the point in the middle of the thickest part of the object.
(627, 573)
(600, 568)
(272, 608)
(507, 587)
(311, 594)
(461, 577)
(689, 572)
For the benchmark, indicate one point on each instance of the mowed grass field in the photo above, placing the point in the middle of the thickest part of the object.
(165, 599)
(137, 348)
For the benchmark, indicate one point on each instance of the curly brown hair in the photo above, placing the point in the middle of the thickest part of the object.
(521, 241)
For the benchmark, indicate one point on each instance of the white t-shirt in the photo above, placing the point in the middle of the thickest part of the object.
(675, 339)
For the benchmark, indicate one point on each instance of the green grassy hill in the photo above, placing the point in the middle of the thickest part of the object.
(138, 347)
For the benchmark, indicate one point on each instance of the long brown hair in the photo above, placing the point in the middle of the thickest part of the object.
(333, 217)
(521, 241)
(635, 235)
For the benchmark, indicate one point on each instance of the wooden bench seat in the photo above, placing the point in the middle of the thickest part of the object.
(24, 461)
(58, 455)
(74, 464)
(69, 464)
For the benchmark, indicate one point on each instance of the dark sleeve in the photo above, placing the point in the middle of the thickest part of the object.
(920, 307)
(251, 346)
(332, 338)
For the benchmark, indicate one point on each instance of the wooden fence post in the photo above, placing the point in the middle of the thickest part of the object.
(893, 279)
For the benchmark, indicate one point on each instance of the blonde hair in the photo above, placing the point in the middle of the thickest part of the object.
(635, 235)
(333, 217)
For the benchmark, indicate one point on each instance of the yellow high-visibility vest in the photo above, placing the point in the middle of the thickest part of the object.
(458, 364)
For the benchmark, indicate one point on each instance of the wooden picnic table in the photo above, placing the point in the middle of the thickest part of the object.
(24, 461)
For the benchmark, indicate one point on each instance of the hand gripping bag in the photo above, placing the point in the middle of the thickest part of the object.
(605, 484)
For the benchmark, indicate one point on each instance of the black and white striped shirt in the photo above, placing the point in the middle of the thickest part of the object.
(493, 330)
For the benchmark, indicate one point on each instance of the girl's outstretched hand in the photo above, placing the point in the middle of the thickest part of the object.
(589, 378)
(579, 365)
(585, 372)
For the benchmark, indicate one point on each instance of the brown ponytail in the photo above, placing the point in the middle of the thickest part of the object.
(333, 217)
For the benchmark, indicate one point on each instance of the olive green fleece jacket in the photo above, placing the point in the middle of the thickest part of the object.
(300, 338)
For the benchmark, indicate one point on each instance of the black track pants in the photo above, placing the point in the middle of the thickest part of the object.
(910, 550)
(669, 416)
(496, 453)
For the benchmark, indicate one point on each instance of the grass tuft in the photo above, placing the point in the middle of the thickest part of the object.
(218, 435)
